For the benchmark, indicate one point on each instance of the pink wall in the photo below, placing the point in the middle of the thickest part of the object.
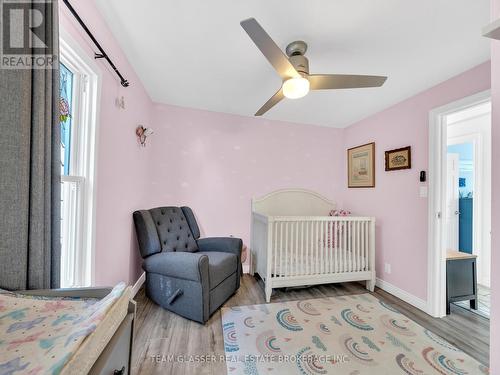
(216, 163)
(395, 202)
(121, 182)
(495, 204)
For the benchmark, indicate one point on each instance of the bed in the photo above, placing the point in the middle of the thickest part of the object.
(66, 331)
(295, 243)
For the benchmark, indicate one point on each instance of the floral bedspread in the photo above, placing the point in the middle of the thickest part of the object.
(38, 335)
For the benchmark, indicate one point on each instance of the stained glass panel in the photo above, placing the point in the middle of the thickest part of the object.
(66, 92)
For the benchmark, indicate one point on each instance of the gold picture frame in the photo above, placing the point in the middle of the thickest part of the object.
(398, 159)
(361, 166)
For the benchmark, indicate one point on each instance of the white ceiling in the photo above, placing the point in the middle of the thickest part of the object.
(194, 53)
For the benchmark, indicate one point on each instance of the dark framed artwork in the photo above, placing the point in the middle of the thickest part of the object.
(361, 166)
(398, 159)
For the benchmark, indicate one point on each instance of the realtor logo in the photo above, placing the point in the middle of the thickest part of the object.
(27, 35)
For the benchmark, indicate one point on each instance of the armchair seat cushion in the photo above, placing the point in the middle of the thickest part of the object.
(220, 266)
(181, 265)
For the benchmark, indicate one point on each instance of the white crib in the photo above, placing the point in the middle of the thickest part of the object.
(295, 243)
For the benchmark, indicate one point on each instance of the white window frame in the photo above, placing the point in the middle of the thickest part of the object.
(84, 144)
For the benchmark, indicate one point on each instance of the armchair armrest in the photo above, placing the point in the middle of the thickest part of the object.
(224, 244)
(181, 265)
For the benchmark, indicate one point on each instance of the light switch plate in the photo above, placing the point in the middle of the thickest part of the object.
(423, 191)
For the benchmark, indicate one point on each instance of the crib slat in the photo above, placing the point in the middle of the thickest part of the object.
(356, 268)
(349, 246)
(356, 247)
(281, 250)
(335, 239)
(360, 267)
(275, 247)
(321, 247)
(360, 226)
(296, 252)
(362, 246)
(329, 225)
(344, 246)
(316, 252)
(324, 263)
(354, 244)
(339, 245)
(352, 237)
(327, 247)
(285, 269)
(355, 256)
(307, 248)
(302, 248)
(367, 239)
(338, 236)
(363, 230)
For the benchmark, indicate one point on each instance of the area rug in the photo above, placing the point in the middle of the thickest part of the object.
(352, 335)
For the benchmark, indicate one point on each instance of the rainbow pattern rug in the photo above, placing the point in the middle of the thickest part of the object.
(350, 335)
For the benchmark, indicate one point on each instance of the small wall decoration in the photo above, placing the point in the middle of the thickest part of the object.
(361, 166)
(398, 159)
(142, 134)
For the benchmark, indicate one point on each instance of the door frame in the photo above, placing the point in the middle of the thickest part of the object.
(436, 271)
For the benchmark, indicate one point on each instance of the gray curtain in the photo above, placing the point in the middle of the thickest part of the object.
(30, 173)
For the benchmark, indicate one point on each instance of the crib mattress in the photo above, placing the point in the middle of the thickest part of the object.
(57, 335)
(317, 265)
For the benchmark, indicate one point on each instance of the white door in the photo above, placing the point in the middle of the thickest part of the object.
(452, 211)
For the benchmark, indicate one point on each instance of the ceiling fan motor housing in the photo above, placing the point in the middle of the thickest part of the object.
(296, 51)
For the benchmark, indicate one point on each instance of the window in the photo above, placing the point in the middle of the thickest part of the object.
(78, 91)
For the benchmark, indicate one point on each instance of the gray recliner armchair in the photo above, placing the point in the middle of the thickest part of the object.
(190, 276)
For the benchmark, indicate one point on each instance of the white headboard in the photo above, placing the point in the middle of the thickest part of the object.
(293, 202)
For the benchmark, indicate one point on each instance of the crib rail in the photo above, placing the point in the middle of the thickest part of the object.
(299, 250)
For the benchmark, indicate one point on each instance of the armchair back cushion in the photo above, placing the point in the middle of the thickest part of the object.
(165, 229)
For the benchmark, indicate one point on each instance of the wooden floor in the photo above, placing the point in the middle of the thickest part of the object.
(159, 333)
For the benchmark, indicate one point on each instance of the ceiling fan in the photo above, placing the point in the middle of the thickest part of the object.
(294, 69)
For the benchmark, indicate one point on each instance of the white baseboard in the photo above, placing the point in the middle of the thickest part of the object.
(140, 281)
(246, 268)
(403, 295)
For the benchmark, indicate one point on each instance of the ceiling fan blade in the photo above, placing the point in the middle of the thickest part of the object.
(343, 81)
(275, 99)
(269, 48)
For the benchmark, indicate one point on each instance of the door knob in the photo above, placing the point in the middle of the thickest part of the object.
(457, 212)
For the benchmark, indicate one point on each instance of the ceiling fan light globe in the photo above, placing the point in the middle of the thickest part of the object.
(295, 88)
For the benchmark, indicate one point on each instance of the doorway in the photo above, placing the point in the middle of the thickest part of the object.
(460, 206)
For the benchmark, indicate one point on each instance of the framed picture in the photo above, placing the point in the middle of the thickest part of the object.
(361, 166)
(398, 159)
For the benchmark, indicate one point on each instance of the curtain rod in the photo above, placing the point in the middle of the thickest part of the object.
(102, 54)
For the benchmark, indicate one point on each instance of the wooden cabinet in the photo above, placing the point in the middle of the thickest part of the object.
(461, 279)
